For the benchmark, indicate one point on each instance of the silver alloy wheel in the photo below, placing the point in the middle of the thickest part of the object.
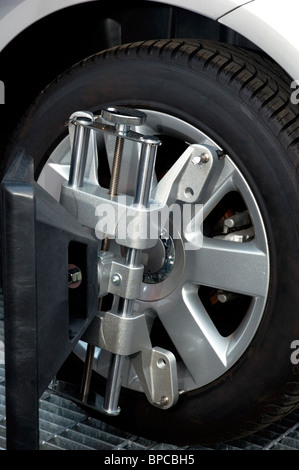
(224, 267)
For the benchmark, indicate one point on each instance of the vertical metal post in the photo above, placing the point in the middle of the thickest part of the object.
(142, 194)
(79, 152)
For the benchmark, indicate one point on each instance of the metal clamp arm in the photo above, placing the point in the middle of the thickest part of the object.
(129, 336)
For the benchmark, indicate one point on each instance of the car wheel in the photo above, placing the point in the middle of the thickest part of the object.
(229, 310)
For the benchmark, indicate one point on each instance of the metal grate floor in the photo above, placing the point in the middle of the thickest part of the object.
(65, 426)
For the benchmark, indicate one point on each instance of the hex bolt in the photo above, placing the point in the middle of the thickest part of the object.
(162, 402)
(116, 279)
(224, 297)
(203, 158)
(74, 276)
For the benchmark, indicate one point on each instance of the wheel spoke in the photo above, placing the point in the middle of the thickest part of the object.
(235, 267)
(202, 349)
(221, 183)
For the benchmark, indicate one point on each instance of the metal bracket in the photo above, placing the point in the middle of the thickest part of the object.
(188, 177)
(131, 225)
(129, 336)
(115, 277)
(118, 218)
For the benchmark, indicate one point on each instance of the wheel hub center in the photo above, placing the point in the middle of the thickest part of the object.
(160, 260)
(165, 266)
(155, 258)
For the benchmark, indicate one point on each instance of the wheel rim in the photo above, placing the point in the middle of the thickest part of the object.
(208, 306)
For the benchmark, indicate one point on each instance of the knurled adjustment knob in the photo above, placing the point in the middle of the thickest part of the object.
(123, 115)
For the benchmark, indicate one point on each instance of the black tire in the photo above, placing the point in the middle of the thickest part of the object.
(242, 101)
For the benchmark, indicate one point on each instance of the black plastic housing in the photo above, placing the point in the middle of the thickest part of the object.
(44, 318)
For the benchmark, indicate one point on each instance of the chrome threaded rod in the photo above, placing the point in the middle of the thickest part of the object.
(118, 153)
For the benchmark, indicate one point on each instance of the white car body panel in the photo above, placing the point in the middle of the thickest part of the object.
(213, 9)
(273, 26)
(270, 25)
(17, 15)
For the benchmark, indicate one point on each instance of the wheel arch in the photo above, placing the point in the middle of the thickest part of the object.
(273, 29)
(72, 33)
